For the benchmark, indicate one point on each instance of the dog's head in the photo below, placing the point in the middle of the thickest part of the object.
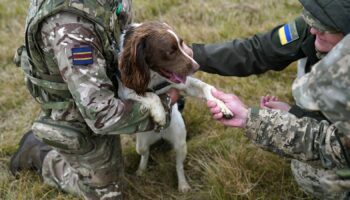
(154, 46)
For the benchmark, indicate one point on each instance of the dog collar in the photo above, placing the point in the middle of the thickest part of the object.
(159, 86)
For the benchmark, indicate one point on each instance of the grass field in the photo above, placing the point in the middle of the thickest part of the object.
(221, 163)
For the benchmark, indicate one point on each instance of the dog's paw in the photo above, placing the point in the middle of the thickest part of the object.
(140, 172)
(184, 187)
(159, 118)
(227, 114)
(150, 102)
(156, 108)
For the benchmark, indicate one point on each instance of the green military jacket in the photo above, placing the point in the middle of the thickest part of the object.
(258, 54)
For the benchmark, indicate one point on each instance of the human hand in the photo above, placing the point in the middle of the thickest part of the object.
(233, 103)
(272, 102)
(333, 183)
(174, 95)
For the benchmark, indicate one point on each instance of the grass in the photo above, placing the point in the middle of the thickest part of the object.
(221, 163)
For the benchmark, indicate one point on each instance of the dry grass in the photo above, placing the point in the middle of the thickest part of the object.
(221, 163)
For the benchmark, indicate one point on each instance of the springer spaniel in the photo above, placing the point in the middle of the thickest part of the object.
(153, 55)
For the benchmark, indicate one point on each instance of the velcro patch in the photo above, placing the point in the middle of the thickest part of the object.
(82, 55)
(288, 33)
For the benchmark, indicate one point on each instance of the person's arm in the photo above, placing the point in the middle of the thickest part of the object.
(92, 91)
(254, 55)
(282, 132)
(302, 138)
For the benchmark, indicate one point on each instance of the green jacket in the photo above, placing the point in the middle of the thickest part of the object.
(257, 54)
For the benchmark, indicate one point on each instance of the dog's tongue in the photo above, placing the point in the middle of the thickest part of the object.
(177, 79)
(173, 77)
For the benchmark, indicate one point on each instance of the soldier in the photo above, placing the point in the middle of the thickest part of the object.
(325, 142)
(322, 25)
(70, 64)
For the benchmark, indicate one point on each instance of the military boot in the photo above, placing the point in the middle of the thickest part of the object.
(29, 155)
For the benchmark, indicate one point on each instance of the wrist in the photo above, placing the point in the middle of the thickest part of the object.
(245, 115)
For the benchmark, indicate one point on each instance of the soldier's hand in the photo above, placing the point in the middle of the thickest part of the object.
(235, 105)
(272, 102)
(174, 95)
(335, 184)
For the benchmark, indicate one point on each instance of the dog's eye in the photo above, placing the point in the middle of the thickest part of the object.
(172, 51)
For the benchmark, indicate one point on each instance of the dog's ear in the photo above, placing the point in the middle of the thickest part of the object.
(134, 70)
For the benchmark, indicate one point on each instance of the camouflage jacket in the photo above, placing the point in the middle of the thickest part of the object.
(301, 138)
(62, 38)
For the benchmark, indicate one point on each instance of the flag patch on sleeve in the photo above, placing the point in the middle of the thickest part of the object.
(288, 33)
(82, 55)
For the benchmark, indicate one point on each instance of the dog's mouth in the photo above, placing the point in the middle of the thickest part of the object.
(173, 77)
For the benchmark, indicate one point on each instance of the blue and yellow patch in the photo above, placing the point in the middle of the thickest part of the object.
(82, 55)
(288, 33)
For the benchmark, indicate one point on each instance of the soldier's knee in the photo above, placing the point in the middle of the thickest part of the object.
(61, 136)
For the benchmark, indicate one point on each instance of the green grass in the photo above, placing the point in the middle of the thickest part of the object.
(221, 163)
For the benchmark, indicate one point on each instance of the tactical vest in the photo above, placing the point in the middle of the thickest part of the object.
(42, 75)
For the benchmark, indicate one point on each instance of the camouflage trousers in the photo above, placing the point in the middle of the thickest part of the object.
(90, 166)
(308, 178)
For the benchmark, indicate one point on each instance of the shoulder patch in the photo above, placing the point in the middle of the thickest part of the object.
(82, 55)
(288, 33)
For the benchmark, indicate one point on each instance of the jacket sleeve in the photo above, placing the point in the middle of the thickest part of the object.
(253, 55)
(301, 138)
(92, 91)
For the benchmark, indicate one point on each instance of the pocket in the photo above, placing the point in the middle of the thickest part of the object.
(65, 136)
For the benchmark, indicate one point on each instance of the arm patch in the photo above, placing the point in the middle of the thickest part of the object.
(288, 33)
(82, 55)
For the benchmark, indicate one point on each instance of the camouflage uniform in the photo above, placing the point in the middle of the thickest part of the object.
(302, 137)
(323, 144)
(82, 116)
(277, 48)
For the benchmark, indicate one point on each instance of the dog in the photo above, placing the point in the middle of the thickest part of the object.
(152, 55)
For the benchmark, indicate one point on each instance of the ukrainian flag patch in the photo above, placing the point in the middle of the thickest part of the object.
(82, 55)
(288, 33)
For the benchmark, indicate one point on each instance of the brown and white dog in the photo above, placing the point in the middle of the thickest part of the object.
(152, 54)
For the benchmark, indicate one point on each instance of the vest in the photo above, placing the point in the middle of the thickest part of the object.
(42, 74)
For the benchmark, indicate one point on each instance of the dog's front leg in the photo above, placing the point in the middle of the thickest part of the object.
(151, 102)
(181, 151)
(143, 162)
(197, 88)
